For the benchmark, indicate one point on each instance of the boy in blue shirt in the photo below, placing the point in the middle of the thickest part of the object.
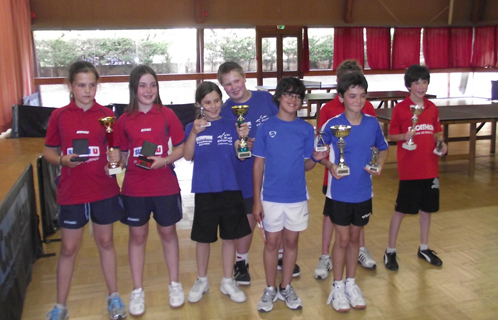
(349, 197)
(283, 151)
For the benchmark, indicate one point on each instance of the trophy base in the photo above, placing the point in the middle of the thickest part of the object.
(244, 154)
(113, 171)
(206, 125)
(343, 171)
(409, 147)
(372, 168)
(438, 152)
(320, 149)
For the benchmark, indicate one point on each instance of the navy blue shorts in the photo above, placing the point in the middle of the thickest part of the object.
(224, 209)
(167, 210)
(415, 195)
(102, 212)
(345, 214)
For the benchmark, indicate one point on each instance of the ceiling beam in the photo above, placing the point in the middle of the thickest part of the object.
(348, 16)
(478, 11)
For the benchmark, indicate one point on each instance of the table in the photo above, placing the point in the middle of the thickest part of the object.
(391, 97)
(461, 114)
(309, 87)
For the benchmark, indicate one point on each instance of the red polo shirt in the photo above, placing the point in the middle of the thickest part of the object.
(87, 182)
(157, 126)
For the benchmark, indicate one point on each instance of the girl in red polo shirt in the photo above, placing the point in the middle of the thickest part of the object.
(84, 190)
(150, 187)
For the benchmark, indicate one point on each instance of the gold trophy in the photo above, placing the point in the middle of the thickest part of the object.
(373, 165)
(416, 111)
(107, 123)
(243, 150)
(320, 143)
(341, 132)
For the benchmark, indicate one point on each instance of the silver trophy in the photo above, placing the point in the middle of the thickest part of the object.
(373, 165)
(203, 115)
(416, 111)
(340, 132)
(439, 148)
(320, 143)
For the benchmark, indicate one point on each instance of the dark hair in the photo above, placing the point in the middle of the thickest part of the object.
(135, 76)
(80, 67)
(416, 72)
(228, 67)
(203, 90)
(291, 85)
(351, 79)
(348, 66)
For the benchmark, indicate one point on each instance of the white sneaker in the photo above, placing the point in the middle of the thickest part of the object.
(199, 288)
(230, 287)
(137, 302)
(323, 267)
(339, 300)
(366, 260)
(176, 295)
(355, 297)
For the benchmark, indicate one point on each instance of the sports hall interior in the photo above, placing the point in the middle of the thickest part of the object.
(464, 232)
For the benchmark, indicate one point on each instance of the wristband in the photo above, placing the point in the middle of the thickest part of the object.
(314, 160)
(165, 162)
(60, 161)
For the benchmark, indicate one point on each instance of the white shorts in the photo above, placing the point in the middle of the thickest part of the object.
(291, 216)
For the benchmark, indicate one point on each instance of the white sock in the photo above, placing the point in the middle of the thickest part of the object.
(338, 284)
(224, 280)
(280, 253)
(362, 248)
(203, 279)
(240, 257)
(390, 250)
(175, 284)
(350, 282)
(325, 256)
(424, 247)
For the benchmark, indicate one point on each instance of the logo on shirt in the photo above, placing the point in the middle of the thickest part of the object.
(272, 134)
(262, 118)
(146, 129)
(137, 151)
(224, 139)
(435, 183)
(92, 151)
(82, 132)
(423, 128)
(204, 140)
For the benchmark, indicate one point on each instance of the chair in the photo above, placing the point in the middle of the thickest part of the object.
(185, 112)
(30, 121)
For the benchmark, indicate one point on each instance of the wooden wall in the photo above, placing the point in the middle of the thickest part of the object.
(77, 14)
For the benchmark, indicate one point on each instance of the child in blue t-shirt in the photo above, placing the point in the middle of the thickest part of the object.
(218, 200)
(349, 196)
(283, 151)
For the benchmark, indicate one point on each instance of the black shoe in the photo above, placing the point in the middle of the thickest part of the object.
(430, 256)
(241, 273)
(390, 261)
(297, 271)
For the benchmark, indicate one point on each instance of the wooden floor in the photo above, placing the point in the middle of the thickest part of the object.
(464, 233)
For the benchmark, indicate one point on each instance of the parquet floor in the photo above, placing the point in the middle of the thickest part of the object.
(464, 233)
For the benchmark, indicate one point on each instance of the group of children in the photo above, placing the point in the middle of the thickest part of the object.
(235, 194)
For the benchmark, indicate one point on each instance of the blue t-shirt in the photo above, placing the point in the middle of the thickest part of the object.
(261, 108)
(214, 158)
(284, 145)
(357, 187)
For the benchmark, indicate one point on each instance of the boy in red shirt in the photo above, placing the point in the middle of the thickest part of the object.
(418, 169)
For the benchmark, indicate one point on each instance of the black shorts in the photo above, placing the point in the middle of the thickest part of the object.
(102, 212)
(416, 195)
(345, 213)
(167, 210)
(225, 209)
(248, 203)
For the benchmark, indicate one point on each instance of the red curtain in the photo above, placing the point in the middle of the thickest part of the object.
(406, 47)
(348, 44)
(436, 47)
(379, 48)
(484, 47)
(16, 60)
(461, 47)
(306, 51)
